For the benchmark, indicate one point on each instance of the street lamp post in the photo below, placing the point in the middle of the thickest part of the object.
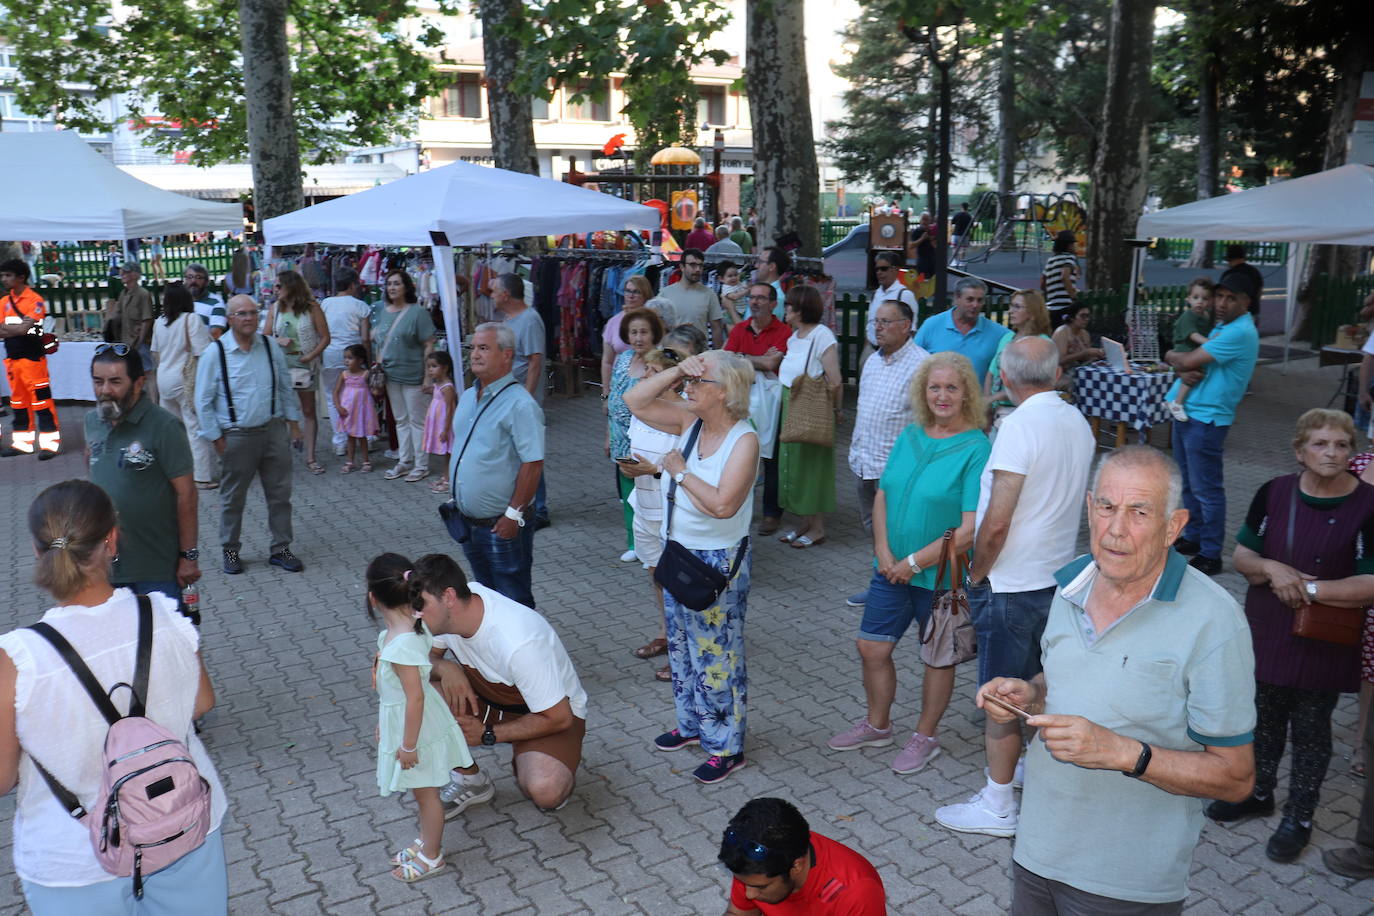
(942, 56)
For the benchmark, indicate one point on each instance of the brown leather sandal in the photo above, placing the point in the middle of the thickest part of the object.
(652, 649)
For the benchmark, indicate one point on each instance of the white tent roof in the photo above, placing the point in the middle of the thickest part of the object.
(471, 204)
(1334, 207)
(66, 191)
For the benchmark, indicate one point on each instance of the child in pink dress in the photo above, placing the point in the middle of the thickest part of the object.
(438, 438)
(354, 407)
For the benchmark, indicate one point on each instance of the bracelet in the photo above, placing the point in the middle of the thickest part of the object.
(406, 750)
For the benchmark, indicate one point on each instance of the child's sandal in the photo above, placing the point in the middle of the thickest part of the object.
(367, 467)
(405, 855)
(348, 468)
(419, 868)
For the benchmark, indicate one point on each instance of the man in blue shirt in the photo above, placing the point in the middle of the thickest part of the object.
(1219, 372)
(246, 408)
(964, 328)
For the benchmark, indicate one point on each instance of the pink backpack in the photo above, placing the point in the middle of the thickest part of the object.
(153, 806)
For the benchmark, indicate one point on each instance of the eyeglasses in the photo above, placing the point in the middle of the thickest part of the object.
(119, 349)
(698, 380)
(883, 268)
(633, 292)
(753, 851)
(245, 314)
(884, 322)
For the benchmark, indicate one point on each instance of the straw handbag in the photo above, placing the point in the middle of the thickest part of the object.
(810, 417)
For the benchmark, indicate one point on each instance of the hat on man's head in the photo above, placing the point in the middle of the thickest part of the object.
(1240, 281)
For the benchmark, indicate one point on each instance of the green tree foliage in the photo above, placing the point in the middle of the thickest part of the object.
(361, 68)
(578, 44)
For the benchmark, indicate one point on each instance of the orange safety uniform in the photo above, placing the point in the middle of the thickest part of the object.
(26, 367)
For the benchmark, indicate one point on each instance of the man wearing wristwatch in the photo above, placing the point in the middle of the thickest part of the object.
(138, 453)
(1145, 707)
(497, 461)
(510, 681)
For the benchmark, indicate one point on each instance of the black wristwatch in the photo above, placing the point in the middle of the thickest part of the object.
(488, 737)
(193, 554)
(1141, 763)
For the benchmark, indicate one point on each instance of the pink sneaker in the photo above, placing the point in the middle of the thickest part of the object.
(860, 734)
(919, 751)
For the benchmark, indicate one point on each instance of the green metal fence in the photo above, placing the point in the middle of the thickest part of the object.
(90, 263)
(1335, 301)
(835, 230)
(1255, 252)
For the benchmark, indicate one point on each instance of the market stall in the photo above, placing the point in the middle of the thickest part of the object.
(457, 205)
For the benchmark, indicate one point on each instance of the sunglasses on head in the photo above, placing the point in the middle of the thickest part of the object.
(671, 353)
(118, 348)
(754, 852)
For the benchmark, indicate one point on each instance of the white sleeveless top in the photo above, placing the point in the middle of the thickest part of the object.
(57, 722)
(693, 528)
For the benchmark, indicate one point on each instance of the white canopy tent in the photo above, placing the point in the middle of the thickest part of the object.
(455, 205)
(1335, 207)
(66, 191)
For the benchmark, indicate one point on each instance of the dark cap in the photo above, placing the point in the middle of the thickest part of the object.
(1239, 281)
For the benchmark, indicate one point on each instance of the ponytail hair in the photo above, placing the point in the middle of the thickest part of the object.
(386, 580)
(68, 522)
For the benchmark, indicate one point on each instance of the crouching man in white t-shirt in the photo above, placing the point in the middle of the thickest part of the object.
(512, 681)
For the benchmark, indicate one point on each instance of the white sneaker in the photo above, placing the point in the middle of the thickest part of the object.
(976, 816)
(459, 795)
(629, 556)
(1177, 412)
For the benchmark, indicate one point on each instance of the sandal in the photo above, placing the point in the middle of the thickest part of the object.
(417, 475)
(419, 868)
(348, 468)
(397, 470)
(207, 484)
(405, 855)
(1357, 769)
(664, 674)
(439, 486)
(790, 536)
(315, 467)
(806, 541)
(367, 467)
(652, 649)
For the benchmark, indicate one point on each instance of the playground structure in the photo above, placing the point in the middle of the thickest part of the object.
(1030, 227)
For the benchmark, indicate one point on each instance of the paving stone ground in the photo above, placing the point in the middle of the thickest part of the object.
(307, 832)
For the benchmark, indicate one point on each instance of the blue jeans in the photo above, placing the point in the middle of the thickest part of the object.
(891, 609)
(1197, 449)
(1009, 626)
(541, 499)
(503, 565)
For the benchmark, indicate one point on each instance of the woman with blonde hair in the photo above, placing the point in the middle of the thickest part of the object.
(47, 717)
(299, 325)
(930, 485)
(1027, 317)
(712, 488)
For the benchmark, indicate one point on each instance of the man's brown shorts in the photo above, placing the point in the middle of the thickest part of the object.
(503, 703)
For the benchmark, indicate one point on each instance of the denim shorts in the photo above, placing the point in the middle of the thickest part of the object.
(890, 609)
(1009, 626)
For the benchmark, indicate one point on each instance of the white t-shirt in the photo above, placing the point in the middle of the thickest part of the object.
(57, 723)
(1052, 445)
(346, 317)
(805, 351)
(516, 646)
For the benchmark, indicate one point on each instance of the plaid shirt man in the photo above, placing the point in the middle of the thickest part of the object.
(884, 408)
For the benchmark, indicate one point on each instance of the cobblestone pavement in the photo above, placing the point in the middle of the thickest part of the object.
(308, 833)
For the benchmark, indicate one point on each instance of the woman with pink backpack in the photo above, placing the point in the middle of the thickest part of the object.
(136, 829)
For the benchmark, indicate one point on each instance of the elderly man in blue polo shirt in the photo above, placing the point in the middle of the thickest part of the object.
(498, 432)
(1219, 370)
(1144, 708)
(964, 328)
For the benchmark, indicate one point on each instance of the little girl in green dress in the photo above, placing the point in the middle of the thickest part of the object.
(418, 740)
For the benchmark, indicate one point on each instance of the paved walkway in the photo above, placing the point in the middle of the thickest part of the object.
(307, 832)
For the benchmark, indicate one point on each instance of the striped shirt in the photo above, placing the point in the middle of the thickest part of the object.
(210, 308)
(1056, 294)
(884, 408)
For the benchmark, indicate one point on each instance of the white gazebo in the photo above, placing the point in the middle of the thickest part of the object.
(1335, 207)
(457, 205)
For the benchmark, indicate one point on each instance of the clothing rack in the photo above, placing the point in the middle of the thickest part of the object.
(608, 254)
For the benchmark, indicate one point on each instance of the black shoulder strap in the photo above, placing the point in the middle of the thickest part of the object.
(224, 378)
(83, 674)
(272, 371)
(143, 662)
(672, 484)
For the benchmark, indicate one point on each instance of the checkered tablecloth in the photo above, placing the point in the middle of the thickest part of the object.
(1135, 398)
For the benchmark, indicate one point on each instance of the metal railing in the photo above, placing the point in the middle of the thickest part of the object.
(91, 263)
(1255, 252)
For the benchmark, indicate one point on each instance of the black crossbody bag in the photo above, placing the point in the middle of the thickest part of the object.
(457, 526)
(694, 583)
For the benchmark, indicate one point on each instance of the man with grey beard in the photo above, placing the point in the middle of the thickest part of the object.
(138, 453)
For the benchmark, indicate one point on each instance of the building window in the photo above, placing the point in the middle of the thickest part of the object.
(588, 109)
(463, 98)
(711, 105)
(539, 109)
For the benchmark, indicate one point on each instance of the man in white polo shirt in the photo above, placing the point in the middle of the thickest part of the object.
(1029, 509)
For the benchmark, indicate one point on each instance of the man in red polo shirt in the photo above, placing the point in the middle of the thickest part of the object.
(780, 866)
(26, 368)
(763, 340)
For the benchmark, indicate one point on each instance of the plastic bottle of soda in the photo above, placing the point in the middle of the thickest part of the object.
(190, 602)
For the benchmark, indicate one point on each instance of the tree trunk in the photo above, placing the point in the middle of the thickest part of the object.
(273, 146)
(786, 176)
(1208, 121)
(1006, 122)
(512, 121)
(1119, 170)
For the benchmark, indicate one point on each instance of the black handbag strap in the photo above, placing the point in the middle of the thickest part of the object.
(453, 478)
(672, 502)
(224, 378)
(99, 696)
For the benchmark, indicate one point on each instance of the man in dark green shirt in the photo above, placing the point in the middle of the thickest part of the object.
(138, 453)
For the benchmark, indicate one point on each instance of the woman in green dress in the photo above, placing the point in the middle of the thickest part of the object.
(806, 472)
